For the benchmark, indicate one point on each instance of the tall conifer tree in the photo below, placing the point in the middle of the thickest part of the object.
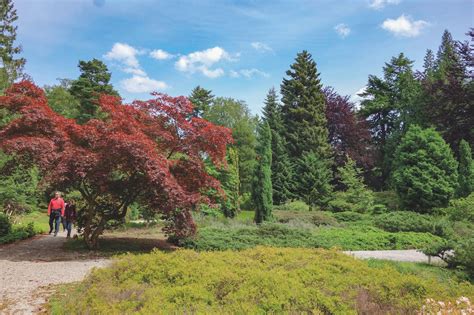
(262, 188)
(466, 169)
(282, 168)
(201, 99)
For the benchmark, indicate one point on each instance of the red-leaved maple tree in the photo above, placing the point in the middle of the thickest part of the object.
(149, 152)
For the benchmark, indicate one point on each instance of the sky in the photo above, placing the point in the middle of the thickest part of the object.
(237, 49)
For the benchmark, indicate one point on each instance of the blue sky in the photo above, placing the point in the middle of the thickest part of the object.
(237, 49)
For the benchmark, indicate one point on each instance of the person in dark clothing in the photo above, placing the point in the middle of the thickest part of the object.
(70, 216)
(55, 212)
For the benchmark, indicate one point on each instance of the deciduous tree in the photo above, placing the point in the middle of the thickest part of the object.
(148, 152)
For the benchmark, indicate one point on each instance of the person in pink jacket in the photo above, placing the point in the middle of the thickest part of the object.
(55, 212)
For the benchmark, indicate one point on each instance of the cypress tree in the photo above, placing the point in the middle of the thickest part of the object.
(262, 188)
(304, 109)
(11, 68)
(229, 179)
(282, 169)
(201, 99)
(466, 169)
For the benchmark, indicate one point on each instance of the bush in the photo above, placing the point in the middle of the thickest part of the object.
(461, 209)
(349, 216)
(317, 218)
(387, 198)
(281, 235)
(18, 233)
(296, 205)
(379, 209)
(255, 281)
(5, 225)
(339, 204)
(404, 221)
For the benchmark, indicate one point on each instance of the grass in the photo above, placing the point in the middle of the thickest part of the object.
(254, 281)
(39, 219)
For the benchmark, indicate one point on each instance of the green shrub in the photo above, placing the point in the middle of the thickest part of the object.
(349, 216)
(18, 233)
(461, 209)
(339, 204)
(255, 281)
(283, 235)
(296, 205)
(379, 208)
(405, 221)
(317, 218)
(387, 198)
(5, 225)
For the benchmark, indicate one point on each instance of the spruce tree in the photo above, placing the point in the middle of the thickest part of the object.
(314, 178)
(305, 124)
(262, 187)
(11, 68)
(282, 169)
(93, 81)
(304, 109)
(466, 170)
(201, 99)
(356, 194)
(229, 178)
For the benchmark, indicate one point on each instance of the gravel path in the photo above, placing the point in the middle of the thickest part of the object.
(411, 255)
(29, 268)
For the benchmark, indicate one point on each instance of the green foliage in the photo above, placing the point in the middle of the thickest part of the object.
(296, 205)
(314, 180)
(236, 115)
(93, 81)
(18, 233)
(461, 209)
(356, 196)
(229, 179)
(425, 171)
(387, 198)
(466, 170)
(404, 221)
(262, 187)
(348, 216)
(282, 168)
(316, 218)
(61, 100)
(256, 281)
(201, 99)
(11, 67)
(282, 235)
(5, 225)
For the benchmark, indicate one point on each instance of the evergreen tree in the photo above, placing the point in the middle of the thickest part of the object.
(466, 170)
(61, 100)
(93, 81)
(262, 188)
(304, 109)
(425, 170)
(11, 68)
(314, 176)
(282, 170)
(356, 194)
(229, 178)
(429, 64)
(201, 99)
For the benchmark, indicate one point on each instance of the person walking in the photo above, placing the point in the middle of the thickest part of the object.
(55, 212)
(70, 216)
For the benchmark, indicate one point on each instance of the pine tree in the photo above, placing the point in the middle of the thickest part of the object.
(282, 170)
(466, 170)
(93, 81)
(429, 63)
(11, 68)
(304, 109)
(314, 177)
(356, 194)
(201, 99)
(262, 188)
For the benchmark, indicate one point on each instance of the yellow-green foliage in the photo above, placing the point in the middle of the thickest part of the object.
(254, 281)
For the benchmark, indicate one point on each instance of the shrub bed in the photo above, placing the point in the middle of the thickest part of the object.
(255, 281)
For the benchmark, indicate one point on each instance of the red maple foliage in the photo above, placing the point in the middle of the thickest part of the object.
(149, 152)
(348, 134)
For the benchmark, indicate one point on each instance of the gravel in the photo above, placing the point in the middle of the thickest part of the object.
(29, 269)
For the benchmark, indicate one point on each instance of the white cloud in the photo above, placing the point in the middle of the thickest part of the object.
(342, 29)
(261, 47)
(125, 54)
(248, 73)
(404, 26)
(142, 84)
(160, 54)
(202, 61)
(380, 4)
